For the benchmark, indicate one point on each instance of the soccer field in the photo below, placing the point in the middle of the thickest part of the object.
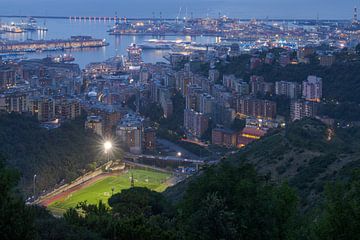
(102, 189)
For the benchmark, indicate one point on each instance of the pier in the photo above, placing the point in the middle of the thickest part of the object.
(75, 42)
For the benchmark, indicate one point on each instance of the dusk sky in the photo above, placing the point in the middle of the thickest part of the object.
(327, 9)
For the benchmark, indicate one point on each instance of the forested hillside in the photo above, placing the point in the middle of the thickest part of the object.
(53, 155)
(307, 154)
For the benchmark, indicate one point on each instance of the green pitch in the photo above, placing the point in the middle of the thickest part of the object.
(102, 189)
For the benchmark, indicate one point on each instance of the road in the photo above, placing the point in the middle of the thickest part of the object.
(177, 148)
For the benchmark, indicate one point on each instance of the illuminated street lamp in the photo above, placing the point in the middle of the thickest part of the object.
(107, 147)
(34, 181)
(178, 154)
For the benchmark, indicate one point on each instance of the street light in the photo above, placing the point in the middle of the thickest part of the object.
(178, 154)
(34, 180)
(107, 147)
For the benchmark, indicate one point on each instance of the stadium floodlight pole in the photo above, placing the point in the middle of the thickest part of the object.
(178, 154)
(34, 181)
(107, 147)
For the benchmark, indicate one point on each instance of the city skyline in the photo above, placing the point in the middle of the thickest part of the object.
(305, 9)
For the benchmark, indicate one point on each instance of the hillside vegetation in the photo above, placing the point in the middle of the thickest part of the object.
(307, 154)
(225, 201)
(53, 155)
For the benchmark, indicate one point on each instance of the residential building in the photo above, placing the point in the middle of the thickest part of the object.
(195, 123)
(130, 131)
(312, 89)
(256, 108)
(95, 124)
(300, 109)
(289, 89)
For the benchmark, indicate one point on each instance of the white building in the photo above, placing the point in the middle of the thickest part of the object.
(312, 89)
(301, 109)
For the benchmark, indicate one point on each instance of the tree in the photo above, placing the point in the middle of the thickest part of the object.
(238, 204)
(135, 213)
(138, 200)
(340, 218)
(16, 221)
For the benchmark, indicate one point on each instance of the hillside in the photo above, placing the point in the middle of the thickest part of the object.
(307, 154)
(54, 155)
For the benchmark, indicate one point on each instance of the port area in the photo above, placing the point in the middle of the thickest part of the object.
(75, 42)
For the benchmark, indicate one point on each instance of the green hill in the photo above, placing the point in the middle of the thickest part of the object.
(53, 155)
(307, 154)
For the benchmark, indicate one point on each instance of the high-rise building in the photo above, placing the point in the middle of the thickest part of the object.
(195, 123)
(206, 104)
(327, 60)
(288, 89)
(14, 102)
(259, 86)
(130, 132)
(43, 108)
(224, 137)
(149, 140)
(67, 108)
(166, 102)
(7, 76)
(193, 97)
(95, 124)
(134, 55)
(256, 108)
(312, 89)
(300, 109)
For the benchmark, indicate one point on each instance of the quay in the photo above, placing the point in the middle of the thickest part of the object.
(75, 42)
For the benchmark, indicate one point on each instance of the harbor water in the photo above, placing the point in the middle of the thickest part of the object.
(64, 29)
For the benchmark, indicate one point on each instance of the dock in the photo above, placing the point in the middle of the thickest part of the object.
(75, 42)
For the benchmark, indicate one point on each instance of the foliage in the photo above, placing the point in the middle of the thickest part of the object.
(16, 221)
(340, 217)
(236, 203)
(53, 155)
(141, 218)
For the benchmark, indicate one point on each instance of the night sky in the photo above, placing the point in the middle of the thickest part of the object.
(326, 9)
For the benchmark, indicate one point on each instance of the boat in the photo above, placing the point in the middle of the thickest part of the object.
(161, 44)
(63, 58)
(11, 28)
(31, 25)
